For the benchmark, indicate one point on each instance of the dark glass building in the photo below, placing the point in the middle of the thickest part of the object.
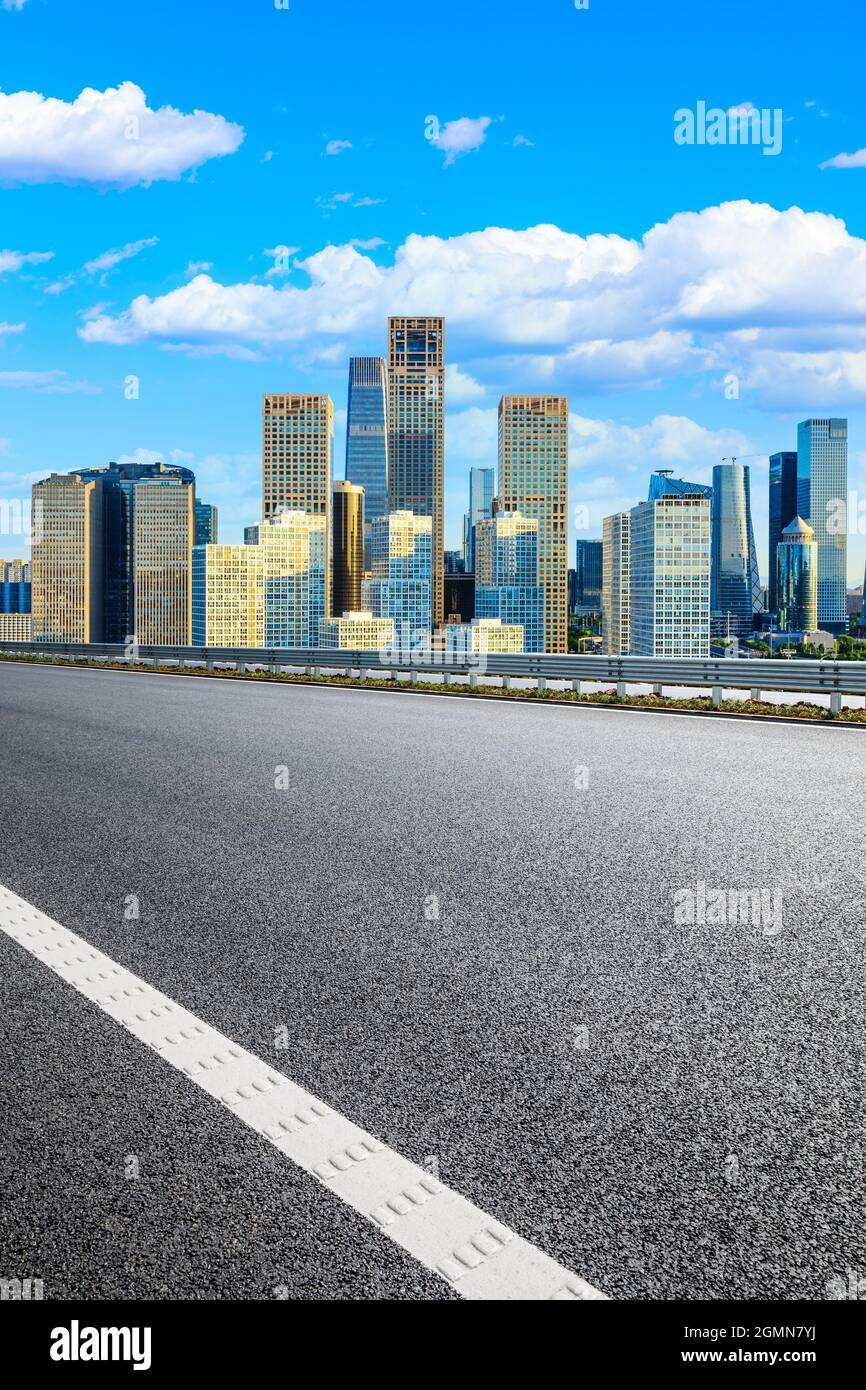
(206, 527)
(367, 438)
(459, 597)
(347, 547)
(588, 561)
(783, 509)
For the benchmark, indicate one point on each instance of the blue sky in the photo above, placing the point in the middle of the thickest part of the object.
(572, 244)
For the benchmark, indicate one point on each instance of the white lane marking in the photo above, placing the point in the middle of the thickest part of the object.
(478, 1256)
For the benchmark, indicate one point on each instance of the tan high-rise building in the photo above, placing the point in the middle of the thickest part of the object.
(615, 583)
(297, 453)
(533, 479)
(416, 434)
(163, 535)
(66, 560)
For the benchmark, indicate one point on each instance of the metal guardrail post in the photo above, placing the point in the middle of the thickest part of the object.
(541, 683)
(755, 695)
(620, 690)
(717, 695)
(836, 702)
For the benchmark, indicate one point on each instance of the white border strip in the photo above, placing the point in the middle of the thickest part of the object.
(480, 1258)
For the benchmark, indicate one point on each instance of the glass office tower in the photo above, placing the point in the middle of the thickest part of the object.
(797, 578)
(822, 499)
(416, 431)
(735, 584)
(347, 547)
(206, 524)
(367, 438)
(783, 509)
(669, 572)
(506, 578)
(401, 587)
(481, 483)
(588, 571)
(615, 589)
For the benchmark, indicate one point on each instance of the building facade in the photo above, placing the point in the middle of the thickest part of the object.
(459, 597)
(359, 632)
(16, 627)
(481, 486)
(669, 576)
(822, 500)
(15, 586)
(163, 534)
(782, 510)
(735, 584)
(483, 635)
(588, 576)
(507, 581)
(66, 564)
(533, 480)
(797, 560)
(347, 547)
(269, 592)
(297, 454)
(615, 585)
(367, 437)
(206, 524)
(401, 585)
(416, 431)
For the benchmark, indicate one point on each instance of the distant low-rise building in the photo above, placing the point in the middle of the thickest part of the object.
(488, 635)
(360, 631)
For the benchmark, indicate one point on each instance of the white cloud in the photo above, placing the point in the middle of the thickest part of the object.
(13, 4)
(7, 328)
(107, 260)
(460, 137)
(197, 267)
(704, 292)
(460, 387)
(14, 260)
(857, 160)
(55, 383)
(109, 138)
(523, 140)
(335, 147)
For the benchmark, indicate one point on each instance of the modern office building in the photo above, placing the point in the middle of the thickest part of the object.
(15, 586)
(797, 569)
(297, 453)
(359, 632)
(16, 627)
(481, 485)
(782, 509)
(416, 438)
(401, 585)
(735, 584)
(533, 480)
(483, 635)
(162, 544)
(454, 562)
(118, 485)
(664, 484)
(206, 524)
(615, 587)
(367, 437)
(459, 597)
(269, 592)
(347, 545)
(66, 566)
(507, 581)
(588, 576)
(822, 500)
(669, 576)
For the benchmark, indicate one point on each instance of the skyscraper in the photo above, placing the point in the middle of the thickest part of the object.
(481, 485)
(297, 450)
(367, 437)
(206, 524)
(401, 586)
(347, 546)
(533, 479)
(268, 592)
(416, 440)
(797, 578)
(507, 583)
(616, 581)
(822, 500)
(735, 584)
(163, 533)
(783, 508)
(669, 574)
(117, 484)
(67, 559)
(589, 566)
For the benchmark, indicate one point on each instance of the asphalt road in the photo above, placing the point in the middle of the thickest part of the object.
(456, 924)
